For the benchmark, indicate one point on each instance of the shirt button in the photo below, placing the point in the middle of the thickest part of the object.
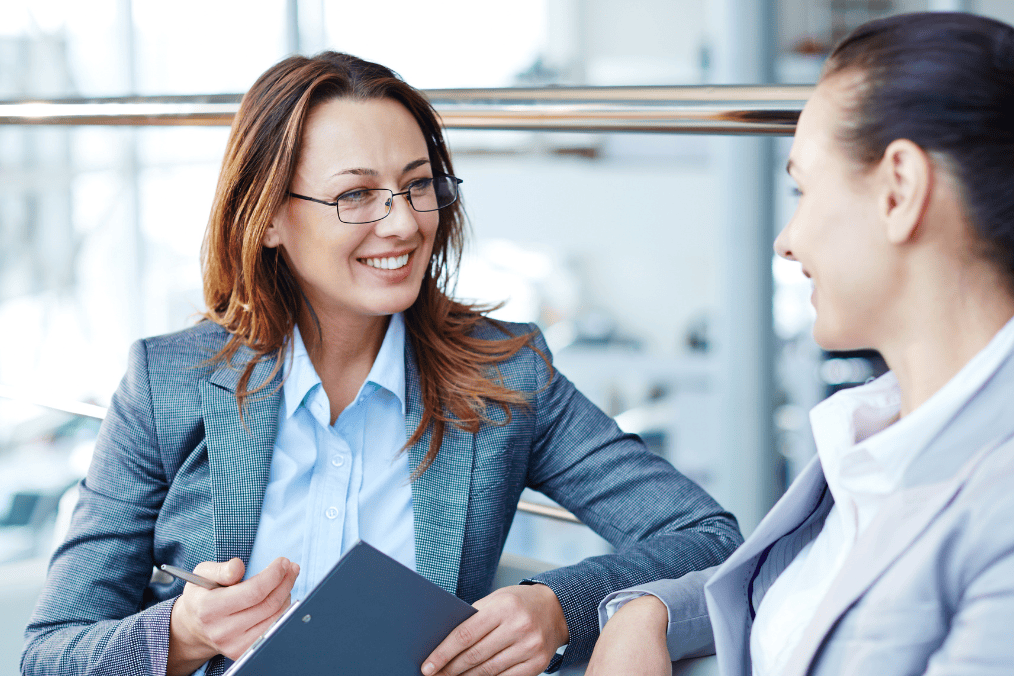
(338, 461)
(331, 513)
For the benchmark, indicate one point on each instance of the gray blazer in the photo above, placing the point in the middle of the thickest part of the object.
(178, 478)
(927, 589)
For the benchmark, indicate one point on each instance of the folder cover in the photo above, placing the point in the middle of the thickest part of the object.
(370, 615)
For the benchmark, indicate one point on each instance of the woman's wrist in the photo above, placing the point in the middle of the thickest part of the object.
(186, 654)
(552, 604)
(648, 611)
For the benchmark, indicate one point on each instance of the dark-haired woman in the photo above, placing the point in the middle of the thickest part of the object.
(336, 392)
(893, 551)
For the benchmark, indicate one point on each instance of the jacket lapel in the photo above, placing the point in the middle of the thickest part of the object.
(928, 487)
(899, 523)
(726, 591)
(239, 451)
(440, 496)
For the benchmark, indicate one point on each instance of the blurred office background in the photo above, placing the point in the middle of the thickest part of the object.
(645, 258)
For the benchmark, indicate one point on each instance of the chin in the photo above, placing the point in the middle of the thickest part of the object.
(835, 339)
(390, 306)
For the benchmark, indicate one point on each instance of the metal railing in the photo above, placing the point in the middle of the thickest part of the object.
(703, 109)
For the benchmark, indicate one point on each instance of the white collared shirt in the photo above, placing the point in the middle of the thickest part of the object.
(864, 457)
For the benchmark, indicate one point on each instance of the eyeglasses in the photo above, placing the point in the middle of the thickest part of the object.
(368, 205)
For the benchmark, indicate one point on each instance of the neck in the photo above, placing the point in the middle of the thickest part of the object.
(342, 348)
(945, 326)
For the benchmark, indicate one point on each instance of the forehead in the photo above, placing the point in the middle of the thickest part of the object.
(372, 134)
(815, 139)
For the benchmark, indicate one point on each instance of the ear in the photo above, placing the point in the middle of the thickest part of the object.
(907, 174)
(272, 235)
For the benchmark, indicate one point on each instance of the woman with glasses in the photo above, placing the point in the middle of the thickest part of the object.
(335, 391)
(893, 551)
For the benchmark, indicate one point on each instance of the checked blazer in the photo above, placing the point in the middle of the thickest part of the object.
(178, 477)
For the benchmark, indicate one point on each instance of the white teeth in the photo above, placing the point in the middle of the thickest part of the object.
(387, 263)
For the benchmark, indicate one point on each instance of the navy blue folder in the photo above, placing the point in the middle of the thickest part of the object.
(370, 615)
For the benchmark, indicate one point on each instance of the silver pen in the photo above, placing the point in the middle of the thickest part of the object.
(189, 577)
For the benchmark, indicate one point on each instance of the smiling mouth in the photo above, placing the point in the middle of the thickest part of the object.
(391, 263)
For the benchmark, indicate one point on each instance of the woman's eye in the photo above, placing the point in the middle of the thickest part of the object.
(420, 184)
(354, 197)
(795, 192)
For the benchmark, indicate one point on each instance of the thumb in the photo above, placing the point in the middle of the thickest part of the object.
(225, 574)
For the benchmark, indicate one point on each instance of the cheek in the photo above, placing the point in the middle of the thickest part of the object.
(428, 229)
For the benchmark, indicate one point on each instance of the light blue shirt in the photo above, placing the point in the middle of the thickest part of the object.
(333, 485)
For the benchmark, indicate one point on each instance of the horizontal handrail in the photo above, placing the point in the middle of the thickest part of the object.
(99, 412)
(54, 403)
(697, 109)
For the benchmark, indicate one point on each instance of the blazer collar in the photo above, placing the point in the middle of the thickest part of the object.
(239, 450)
(440, 496)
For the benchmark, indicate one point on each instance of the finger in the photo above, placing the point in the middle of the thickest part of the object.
(490, 649)
(466, 634)
(247, 639)
(525, 666)
(275, 602)
(234, 633)
(225, 574)
(254, 590)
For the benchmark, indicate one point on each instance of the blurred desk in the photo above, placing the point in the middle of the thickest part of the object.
(702, 666)
(20, 584)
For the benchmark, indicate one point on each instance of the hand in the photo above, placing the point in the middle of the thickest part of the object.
(208, 622)
(633, 641)
(516, 633)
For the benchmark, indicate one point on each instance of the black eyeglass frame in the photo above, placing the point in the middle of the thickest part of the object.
(389, 203)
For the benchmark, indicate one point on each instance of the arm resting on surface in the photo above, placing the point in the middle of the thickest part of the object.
(661, 523)
(688, 627)
(89, 617)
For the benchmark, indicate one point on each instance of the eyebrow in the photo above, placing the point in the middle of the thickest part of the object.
(789, 166)
(362, 171)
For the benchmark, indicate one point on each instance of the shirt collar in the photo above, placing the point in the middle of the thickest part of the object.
(860, 448)
(388, 370)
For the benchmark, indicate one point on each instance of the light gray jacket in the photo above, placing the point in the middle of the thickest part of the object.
(927, 589)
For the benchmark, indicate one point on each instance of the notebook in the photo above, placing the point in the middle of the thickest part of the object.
(369, 615)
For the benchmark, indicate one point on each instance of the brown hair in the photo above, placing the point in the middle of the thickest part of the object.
(250, 291)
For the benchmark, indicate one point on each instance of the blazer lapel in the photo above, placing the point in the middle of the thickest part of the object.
(440, 496)
(899, 522)
(239, 452)
(726, 591)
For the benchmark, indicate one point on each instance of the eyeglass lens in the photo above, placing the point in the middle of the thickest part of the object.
(366, 206)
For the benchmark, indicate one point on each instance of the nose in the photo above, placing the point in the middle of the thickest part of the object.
(782, 246)
(400, 221)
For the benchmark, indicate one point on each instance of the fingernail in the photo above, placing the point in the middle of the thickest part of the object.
(428, 668)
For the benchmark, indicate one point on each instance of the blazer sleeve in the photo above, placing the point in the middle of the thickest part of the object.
(90, 617)
(689, 632)
(661, 524)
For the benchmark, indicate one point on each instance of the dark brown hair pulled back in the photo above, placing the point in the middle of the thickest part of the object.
(250, 291)
(944, 81)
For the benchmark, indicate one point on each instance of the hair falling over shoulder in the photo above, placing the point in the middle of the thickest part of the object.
(250, 291)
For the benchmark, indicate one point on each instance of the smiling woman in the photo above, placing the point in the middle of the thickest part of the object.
(893, 551)
(336, 392)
